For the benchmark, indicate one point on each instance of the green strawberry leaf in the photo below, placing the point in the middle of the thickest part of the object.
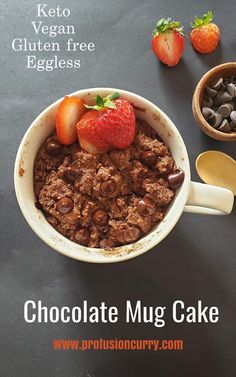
(161, 23)
(94, 107)
(110, 104)
(107, 101)
(114, 95)
(164, 25)
(99, 101)
(206, 19)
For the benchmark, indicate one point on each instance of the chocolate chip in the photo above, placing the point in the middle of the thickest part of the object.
(82, 236)
(225, 127)
(125, 174)
(71, 218)
(233, 116)
(131, 234)
(65, 205)
(212, 119)
(223, 103)
(176, 179)
(145, 207)
(226, 81)
(72, 172)
(217, 120)
(231, 90)
(107, 188)
(106, 244)
(217, 84)
(38, 205)
(233, 125)
(223, 97)
(216, 103)
(207, 113)
(225, 110)
(149, 158)
(53, 147)
(207, 102)
(100, 217)
(232, 80)
(211, 92)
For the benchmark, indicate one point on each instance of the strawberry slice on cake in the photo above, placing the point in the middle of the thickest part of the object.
(68, 114)
(107, 125)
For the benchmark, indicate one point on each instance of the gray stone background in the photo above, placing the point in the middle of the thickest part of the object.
(196, 261)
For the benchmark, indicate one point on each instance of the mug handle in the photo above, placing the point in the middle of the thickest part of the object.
(209, 200)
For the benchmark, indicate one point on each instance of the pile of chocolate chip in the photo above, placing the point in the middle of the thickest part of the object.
(219, 104)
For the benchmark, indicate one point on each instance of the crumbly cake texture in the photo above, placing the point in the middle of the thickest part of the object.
(104, 200)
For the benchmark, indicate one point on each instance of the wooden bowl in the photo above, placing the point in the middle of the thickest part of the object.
(222, 70)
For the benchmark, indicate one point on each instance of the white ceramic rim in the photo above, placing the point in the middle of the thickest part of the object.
(126, 252)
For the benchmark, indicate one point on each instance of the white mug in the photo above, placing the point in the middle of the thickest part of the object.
(190, 197)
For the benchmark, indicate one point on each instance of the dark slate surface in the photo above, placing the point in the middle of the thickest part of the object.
(196, 261)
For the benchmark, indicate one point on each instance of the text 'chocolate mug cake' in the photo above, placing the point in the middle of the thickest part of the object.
(104, 179)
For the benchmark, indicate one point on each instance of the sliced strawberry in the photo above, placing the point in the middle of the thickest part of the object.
(168, 41)
(68, 114)
(89, 138)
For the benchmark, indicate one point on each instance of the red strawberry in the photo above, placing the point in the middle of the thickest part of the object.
(110, 124)
(168, 41)
(87, 133)
(68, 114)
(205, 35)
(117, 126)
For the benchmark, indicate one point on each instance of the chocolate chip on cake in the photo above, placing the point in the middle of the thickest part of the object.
(176, 179)
(146, 207)
(106, 244)
(149, 158)
(107, 188)
(101, 200)
(127, 235)
(72, 172)
(82, 236)
(53, 147)
(65, 205)
(100, 217)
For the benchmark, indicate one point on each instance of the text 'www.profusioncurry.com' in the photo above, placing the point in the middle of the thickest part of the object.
(118, 344)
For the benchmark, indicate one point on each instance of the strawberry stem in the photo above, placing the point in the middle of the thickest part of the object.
(107, 101)
(164, 25)
(206, 19)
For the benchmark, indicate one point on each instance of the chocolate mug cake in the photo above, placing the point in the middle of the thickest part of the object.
(106, 199)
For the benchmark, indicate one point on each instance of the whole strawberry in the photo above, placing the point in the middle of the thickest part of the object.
(205, 35)
(108, 124)
(168, 41)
